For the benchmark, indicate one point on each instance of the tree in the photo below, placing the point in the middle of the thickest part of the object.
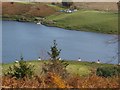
(67, 3)
(54, 54)
(21, 69)
(55, 65)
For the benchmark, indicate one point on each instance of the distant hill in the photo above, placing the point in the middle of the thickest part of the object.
(104, 6)
(41, 9)
(27, 9)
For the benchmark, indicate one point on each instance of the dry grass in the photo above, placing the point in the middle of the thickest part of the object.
(104, 6)
(93, 82)
(36, 9)
(52, 80)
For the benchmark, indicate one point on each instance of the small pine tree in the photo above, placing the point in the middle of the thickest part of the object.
(55, 65)
(21, 69)
(54, 54)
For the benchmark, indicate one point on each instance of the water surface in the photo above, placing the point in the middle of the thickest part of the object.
(32, 40)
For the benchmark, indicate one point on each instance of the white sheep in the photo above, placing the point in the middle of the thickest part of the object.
(16, 61)
(79, 59)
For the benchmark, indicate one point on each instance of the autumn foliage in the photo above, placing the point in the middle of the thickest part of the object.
(53, 80)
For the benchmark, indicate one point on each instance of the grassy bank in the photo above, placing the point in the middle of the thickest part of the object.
(84, 20)
(74, 67)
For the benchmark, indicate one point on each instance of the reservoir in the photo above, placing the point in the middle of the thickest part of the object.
(34, 40)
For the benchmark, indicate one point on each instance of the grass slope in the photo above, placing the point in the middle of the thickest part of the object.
(74, 67)
(87, 20)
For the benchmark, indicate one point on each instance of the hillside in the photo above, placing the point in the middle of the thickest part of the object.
(101, 6)
(41, 9)
(86, 20)
(26, 9)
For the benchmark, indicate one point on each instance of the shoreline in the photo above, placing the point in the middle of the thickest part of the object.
(34, 20)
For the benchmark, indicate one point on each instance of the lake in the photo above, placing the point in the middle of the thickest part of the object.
(32, 40)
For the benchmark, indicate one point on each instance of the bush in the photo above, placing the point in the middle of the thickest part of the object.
(58, 67)
(21, 69)
(108, 71)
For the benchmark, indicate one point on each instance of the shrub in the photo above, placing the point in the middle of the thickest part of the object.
(21, 69)
(57, 81)
(108, 71)
(57, 67)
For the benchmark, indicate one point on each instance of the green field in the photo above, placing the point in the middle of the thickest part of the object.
(86, 20)
(74, 67)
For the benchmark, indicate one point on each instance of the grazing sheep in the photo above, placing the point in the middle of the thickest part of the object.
(98, 61)
(16, 61)
(60, 59)
(39, 58)
(79, 59)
